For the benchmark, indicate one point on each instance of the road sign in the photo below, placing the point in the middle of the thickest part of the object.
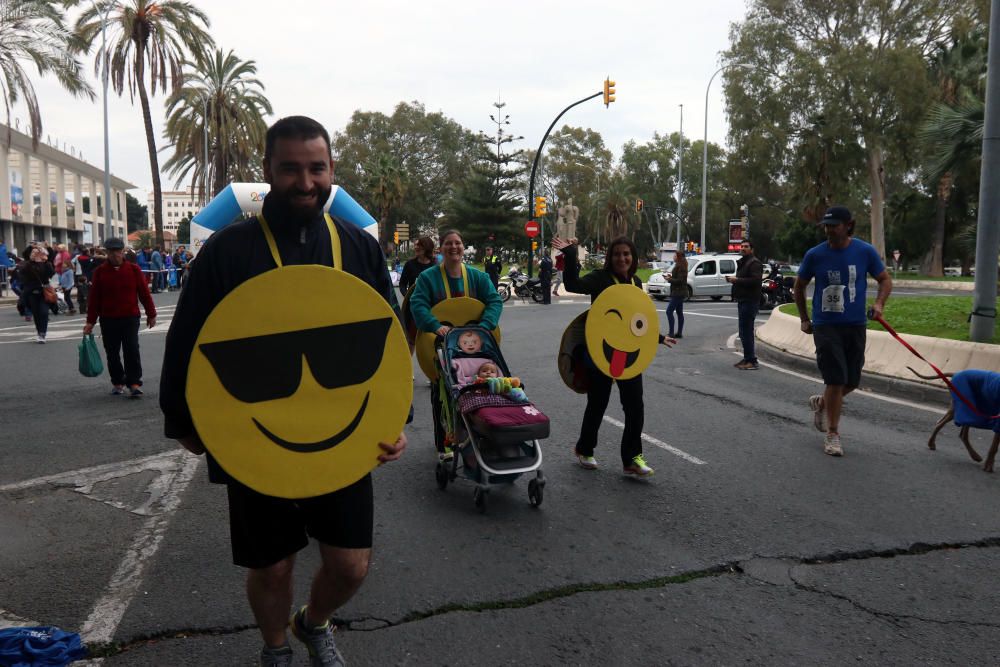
(532, 229)
(403, 229)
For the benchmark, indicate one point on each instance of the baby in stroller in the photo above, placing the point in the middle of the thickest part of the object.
(492, 423)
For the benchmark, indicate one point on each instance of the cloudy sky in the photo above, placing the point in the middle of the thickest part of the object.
(328, 58)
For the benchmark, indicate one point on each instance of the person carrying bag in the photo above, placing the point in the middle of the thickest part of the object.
(90, 358)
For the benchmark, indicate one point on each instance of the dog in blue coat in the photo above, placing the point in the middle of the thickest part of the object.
(982, 389)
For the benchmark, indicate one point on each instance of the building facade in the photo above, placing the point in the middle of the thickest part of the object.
(177, 205)
(72, 190)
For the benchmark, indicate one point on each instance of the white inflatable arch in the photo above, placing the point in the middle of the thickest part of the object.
(237, 200)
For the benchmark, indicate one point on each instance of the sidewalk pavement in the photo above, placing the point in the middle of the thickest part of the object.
(781, 339)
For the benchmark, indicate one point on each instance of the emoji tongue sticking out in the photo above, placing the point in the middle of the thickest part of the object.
(618, 359)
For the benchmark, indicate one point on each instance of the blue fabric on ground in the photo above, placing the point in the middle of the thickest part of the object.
(39, 646)
(982, 388)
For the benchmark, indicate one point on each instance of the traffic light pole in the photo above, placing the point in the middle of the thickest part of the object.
(534, 168)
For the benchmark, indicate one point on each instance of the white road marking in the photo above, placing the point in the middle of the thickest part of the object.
(103, 621)
(868, 394)
(659, 443)
(176, 469)
(723, 317)
(12, 620)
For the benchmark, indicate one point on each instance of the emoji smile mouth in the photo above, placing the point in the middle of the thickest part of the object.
(322, 445)
(618, 360)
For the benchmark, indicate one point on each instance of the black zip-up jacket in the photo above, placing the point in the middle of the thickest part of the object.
(749, 274)
(232, 256)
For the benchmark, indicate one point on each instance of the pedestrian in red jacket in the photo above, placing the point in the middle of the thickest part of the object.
(116, 289)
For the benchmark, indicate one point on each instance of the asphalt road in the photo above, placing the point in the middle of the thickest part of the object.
(749, 545)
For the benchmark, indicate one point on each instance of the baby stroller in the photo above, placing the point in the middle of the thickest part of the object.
(494, 438)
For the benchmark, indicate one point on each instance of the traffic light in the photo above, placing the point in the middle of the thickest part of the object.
(395, 238)
(534, 246)
(609, 91)
(638, 206)
(540, 208)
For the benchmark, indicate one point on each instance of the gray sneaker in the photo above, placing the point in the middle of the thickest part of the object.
(831, 445)
(276, 657)
(819, 412)
(322, 647)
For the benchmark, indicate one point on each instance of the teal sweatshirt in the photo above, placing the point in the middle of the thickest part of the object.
(429, 291)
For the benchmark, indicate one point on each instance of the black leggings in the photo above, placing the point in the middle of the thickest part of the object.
(598, 396)
(39, 311)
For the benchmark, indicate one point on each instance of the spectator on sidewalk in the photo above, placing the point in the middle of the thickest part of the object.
(558, 277)
(115, 292)
(545, 276)
(67, 280)
(746, 293)
(156, 266)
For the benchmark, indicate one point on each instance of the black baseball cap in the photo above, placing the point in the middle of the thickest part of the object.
(836, 215)
(114, 244)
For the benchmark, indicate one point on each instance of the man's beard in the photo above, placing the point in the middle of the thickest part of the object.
(299, 213)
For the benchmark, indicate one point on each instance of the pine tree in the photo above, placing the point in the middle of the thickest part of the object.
(484, 206)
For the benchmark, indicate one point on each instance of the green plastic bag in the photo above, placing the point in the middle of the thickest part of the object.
(90, 359)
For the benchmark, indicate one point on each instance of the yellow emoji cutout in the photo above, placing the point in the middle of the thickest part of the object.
(292, 395)
(622, 331)
(456, 312)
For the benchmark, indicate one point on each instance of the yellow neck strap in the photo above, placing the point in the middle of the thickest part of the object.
(338, 262)
(447, 287)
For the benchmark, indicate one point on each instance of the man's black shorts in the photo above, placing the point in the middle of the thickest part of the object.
(265, 529)
(840, 353)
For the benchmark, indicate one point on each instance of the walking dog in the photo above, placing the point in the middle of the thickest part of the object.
(982, 388)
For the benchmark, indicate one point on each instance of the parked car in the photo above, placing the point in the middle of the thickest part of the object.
(953, 271)
(706, 277)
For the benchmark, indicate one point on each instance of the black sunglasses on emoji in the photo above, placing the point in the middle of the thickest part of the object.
(269, 367)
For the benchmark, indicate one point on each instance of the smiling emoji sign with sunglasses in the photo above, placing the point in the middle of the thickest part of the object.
(622, 331)
(292, 395)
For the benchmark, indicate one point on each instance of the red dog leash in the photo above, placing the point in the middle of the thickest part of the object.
(951, 387)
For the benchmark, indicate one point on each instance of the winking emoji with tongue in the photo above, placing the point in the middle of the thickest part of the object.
(622, 332)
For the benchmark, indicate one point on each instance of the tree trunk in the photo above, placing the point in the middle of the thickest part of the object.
(877, 185)
(935, 266)
(154, 164)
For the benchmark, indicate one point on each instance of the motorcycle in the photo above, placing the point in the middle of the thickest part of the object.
(521, 286)
(775, 291)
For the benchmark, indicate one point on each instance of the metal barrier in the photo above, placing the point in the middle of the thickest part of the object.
(4, 281)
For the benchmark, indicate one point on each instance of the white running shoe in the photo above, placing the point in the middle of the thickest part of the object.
(831, 445)
(819, 412)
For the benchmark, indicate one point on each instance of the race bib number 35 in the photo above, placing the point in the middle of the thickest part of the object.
(833, 299)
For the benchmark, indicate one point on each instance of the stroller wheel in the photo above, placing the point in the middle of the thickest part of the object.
(535, 493)
(441, 474)
(479, 497)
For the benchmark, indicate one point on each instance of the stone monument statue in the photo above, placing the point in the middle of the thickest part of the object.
(566, 223)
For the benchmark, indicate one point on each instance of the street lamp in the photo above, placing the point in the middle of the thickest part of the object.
(680, 183)
(108, 233)
(704, 149)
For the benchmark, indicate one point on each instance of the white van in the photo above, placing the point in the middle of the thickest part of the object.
(707, 275)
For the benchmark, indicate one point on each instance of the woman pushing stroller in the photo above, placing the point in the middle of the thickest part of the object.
(620, 265)
(451, 279)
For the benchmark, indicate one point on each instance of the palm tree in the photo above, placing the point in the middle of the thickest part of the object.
(960, 68)
(616, 207)
(33, 30)
(224, 88)
(145, 35)
(384, 181)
